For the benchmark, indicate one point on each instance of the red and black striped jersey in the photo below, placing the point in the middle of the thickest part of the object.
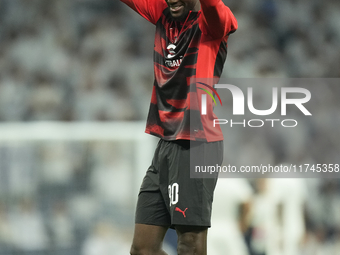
(184, 51)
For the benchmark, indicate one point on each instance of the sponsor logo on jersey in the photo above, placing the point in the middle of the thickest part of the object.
(170, 62)
(171, 49)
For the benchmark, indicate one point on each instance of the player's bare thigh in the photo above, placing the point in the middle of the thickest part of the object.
(191, 240)
(148, 239)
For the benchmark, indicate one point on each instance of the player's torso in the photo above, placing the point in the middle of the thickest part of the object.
(181, 52)
(176, 48)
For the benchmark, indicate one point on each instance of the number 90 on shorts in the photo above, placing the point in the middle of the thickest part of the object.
(173, 193)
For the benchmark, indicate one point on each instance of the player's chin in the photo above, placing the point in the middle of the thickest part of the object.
(179, 15)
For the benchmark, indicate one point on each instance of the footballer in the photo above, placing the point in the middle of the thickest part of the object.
(190, 43)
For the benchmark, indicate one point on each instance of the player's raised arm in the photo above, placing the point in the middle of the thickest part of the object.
(151, 10)
(218, 20)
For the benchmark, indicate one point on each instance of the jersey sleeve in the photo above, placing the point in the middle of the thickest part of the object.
(151, 10)
(217, 19)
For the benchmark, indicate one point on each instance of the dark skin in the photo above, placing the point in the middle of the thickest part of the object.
(192, 240)
(179, 9)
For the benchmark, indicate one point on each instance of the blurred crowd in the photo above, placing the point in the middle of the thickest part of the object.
(275, 216)
(66, 198)
(69, 61)
(90, 60)
(294, 38)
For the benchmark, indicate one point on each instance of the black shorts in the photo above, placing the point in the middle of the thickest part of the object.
(168, 196)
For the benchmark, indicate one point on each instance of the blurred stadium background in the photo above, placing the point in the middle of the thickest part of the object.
(75, 84)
